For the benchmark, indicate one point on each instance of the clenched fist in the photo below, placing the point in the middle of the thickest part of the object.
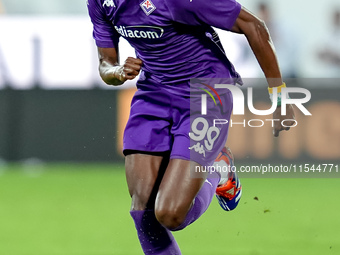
(129, 70)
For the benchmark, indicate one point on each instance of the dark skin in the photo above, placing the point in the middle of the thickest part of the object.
(172, 195)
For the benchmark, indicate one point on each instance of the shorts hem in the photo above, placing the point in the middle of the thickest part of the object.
(127, 152)
(200, 162)
(179, 157)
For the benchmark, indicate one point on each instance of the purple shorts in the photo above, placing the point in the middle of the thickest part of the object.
(161, 122)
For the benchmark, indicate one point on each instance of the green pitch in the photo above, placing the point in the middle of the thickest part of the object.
(84, 210)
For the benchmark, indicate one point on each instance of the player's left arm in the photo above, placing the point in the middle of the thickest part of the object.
(260, 42)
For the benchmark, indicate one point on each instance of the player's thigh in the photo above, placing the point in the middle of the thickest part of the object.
(178, 189)
(142, 173)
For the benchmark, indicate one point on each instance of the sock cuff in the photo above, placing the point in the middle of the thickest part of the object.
(153, 237)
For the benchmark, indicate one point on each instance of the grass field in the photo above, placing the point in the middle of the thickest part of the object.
(81, 209)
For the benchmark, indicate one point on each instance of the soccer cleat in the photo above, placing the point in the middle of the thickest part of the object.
(229, 190)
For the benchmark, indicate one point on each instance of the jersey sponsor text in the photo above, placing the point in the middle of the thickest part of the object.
(144, 32)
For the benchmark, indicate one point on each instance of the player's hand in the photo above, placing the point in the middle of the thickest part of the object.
(130, 69)
(278, 124)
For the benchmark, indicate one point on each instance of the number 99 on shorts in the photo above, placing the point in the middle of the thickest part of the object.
(204, 134)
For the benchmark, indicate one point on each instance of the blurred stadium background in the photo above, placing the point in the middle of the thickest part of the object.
(62, 182)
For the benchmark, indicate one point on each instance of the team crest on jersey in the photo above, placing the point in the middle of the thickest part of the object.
(148, 7)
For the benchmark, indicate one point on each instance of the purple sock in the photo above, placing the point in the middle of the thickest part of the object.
(153, 237)
(202, 200)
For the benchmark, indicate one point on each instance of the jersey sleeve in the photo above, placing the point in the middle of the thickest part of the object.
(218, 13)
(103, 31)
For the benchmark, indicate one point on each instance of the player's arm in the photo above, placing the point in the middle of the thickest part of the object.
(111, 72)
(260, 42)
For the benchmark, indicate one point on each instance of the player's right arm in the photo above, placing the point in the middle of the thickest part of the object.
(107, 39)
(230, 15)
(111, 72)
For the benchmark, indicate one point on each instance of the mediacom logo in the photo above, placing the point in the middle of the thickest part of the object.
(140, 32)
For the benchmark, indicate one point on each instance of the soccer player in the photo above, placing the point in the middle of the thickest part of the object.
(164, 141)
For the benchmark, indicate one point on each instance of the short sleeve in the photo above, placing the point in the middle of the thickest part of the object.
(103, 31)
(218, 13)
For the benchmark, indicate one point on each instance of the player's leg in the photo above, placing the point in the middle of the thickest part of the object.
(209, 133)
(182, 199)
(148, 130)
(143, 174)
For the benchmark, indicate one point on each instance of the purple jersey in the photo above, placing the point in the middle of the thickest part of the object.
(173, 38)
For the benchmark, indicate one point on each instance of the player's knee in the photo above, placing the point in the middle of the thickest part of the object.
(139, 201)
(172, 219)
